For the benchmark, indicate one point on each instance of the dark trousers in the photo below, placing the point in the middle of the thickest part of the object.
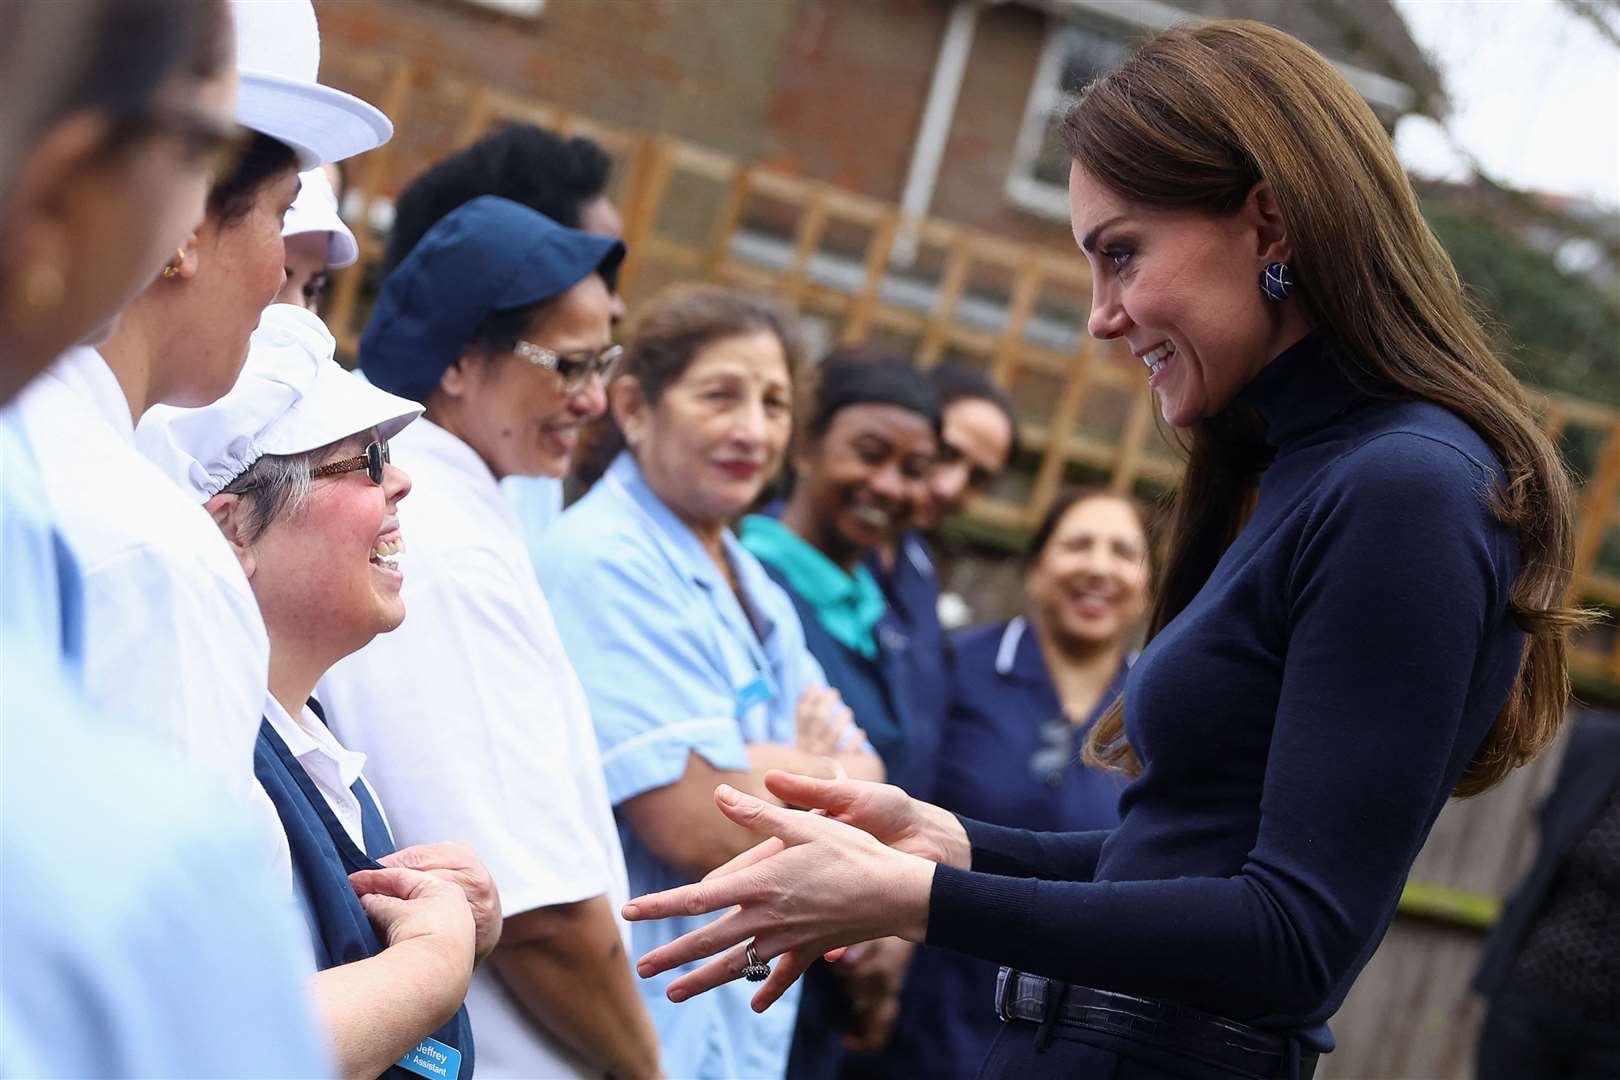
(1017, 1054)
(1534, 1035)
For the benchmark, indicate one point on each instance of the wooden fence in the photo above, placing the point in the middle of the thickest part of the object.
(857, 269)
(855, 266)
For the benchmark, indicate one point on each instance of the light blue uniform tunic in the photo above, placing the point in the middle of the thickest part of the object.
(672, 666)
(136, 940)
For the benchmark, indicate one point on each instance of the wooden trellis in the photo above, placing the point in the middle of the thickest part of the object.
(858, 266)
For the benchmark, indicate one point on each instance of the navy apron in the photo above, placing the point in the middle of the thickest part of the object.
(323, 857)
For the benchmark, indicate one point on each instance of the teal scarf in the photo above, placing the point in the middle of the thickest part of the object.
(847, 605)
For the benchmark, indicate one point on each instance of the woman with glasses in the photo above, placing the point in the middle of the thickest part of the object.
(692, 658)
(1023, 695)
(473, 722)
(293, 466)
(173, 642)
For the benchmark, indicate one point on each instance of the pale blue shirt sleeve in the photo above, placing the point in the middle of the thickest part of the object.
(538, 501)
(645, 648)
(136, 940)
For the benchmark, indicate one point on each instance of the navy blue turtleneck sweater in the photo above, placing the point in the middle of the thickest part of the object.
(1300, 724)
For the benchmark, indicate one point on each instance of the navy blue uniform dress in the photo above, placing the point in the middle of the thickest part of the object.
(1301, 724)
(323, 857)
(911, 587)
(880, 690)
(1008, 756)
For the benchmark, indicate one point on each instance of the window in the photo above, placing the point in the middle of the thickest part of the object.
(1074, 55)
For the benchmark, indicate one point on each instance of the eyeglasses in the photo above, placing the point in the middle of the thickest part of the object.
(373, 460)
(574, 369)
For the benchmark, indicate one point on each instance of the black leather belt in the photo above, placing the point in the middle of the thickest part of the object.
(1185, 1032)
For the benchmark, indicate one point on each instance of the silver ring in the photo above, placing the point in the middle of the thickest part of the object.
(754, 971)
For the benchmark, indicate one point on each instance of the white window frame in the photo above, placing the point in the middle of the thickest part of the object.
(1046, 97)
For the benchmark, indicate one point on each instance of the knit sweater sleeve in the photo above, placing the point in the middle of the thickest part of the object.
(1399, 576)
(1022, 853)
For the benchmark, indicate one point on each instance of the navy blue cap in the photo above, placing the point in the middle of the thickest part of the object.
(487, 255)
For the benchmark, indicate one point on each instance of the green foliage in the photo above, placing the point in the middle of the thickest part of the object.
(1562, 330)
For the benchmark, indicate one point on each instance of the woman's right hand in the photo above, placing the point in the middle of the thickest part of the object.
(414, 905)
(883, 810)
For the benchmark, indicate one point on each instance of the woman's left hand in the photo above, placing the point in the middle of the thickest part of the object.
(459, 864)
(830, 885)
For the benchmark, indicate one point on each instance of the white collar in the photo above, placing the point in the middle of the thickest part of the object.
(84, 372)
(1007, 651)
(451, 449)
(306, 736)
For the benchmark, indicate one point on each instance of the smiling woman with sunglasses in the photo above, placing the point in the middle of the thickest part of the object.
(315, 527)
(473, 721)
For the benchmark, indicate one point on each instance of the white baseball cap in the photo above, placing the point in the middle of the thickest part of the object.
(316, 210)
(278, 57)
(292, 397)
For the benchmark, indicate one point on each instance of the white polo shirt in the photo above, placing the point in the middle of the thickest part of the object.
(174, 645)
(475, 727)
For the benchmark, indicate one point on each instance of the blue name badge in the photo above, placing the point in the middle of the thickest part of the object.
(757, 692)
(434, 1060)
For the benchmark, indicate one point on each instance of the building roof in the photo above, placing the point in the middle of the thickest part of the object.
(1367, 39)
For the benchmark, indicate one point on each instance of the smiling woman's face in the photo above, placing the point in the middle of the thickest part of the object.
(321, 571)
(1181, 287)
(519, 416)
(719, 431)
(865, 476)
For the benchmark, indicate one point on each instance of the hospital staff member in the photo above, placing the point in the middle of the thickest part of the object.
(471, 717)
(860, 474)
(174, 643)
(1023, 694)
(693, 660)
(317, 240)
(177, 968)
(293, 465)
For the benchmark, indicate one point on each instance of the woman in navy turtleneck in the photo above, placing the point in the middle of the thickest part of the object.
(1359, 615)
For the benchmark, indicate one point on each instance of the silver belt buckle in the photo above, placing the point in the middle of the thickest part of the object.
(1006, 980)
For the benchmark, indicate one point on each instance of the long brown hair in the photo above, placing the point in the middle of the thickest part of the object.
(1194, 120)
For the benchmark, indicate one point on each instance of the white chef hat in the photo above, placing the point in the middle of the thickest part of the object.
(292, 397)
(278, 57)
(316, 210)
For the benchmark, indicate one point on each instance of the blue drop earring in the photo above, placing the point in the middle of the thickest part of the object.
(1277, 281)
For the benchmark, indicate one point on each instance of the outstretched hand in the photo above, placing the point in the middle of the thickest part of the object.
(817, 885)
(886, 812)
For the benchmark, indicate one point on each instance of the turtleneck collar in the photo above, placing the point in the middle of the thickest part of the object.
(1305, 387)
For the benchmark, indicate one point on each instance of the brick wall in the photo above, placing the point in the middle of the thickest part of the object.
(829, 89)
(698, 69)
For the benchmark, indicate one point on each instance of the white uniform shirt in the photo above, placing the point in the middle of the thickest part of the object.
(174, 645)
(333, 767)
(475, 727)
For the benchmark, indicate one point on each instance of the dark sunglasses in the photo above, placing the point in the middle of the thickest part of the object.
(373, 460)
